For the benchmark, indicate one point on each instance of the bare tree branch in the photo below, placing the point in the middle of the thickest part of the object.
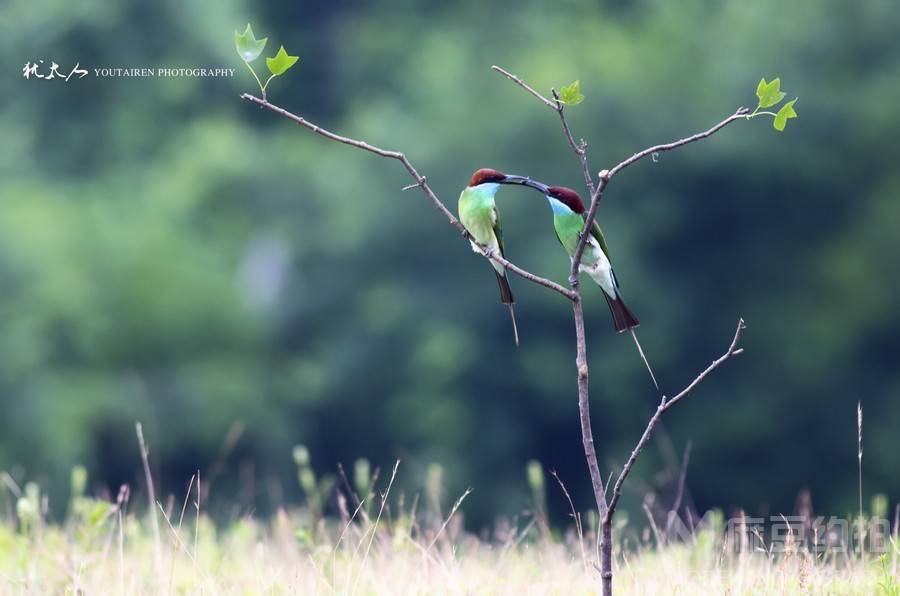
(733, 350)
(606, 176)
(664, 405)
(740, 114)
(524, 86)
(580, 148)
(421, 182)
(524, 274)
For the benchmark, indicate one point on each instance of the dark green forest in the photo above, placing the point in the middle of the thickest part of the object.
(174, 255)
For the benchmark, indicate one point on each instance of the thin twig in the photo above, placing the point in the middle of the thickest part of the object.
(344, 531)
(228, 444)
(579, 148)
(575, 516)
(494, 255)
(187, 497)
(653, 526)
(859, 455)
(449, 517)
(359, 501)
(384, 499)
(606, 175)
(197, 523)
(740, 114)
(524, 86)
(121, 504)
(679, 491)
(421, 182)
(556, 104)
(206, 577)
(733, 350)
(664, 405)
(151, 493)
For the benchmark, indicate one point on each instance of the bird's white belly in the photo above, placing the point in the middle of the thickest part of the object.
(599, 268)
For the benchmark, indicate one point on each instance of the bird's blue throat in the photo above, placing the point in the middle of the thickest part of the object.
(558, 207)
(488, 189)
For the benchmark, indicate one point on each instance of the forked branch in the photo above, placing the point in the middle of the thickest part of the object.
(606, 175)
(557, 105)
(664, 405)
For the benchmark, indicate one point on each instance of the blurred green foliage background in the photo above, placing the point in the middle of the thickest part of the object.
(171, 254)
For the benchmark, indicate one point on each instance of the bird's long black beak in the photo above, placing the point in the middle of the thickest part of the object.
(526, 181)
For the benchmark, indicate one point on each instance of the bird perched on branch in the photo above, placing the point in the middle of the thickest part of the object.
(478, 213)
(568, 220)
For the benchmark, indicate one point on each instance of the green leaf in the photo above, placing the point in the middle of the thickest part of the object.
(769, 94)
(281, 62)
(784, 114)
(248, 47)
(571, 94)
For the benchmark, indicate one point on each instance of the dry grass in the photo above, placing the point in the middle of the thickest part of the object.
(383, 547)
(251, 559)
(376, 542)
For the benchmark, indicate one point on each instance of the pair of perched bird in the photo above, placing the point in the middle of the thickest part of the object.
(478, 213)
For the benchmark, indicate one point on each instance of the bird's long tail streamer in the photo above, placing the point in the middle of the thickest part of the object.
(512, 315)
(644, 358)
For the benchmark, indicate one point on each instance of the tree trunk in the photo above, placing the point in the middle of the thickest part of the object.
(606, 574)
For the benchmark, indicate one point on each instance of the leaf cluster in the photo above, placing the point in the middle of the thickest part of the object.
(770, 95)
(249, 49)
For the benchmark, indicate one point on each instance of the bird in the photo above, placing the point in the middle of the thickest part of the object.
(478, 214)
(568, 221)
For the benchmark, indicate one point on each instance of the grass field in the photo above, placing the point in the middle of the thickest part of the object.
(385, 544)
(254, 559)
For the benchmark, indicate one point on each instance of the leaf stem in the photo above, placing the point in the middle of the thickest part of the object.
(263, 87)
(756, 113)
(258, 82)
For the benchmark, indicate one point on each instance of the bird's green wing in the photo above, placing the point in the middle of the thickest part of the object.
(597, 233)
(498, 232)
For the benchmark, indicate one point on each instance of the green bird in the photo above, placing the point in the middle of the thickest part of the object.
(568, 221)
(478, 213)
